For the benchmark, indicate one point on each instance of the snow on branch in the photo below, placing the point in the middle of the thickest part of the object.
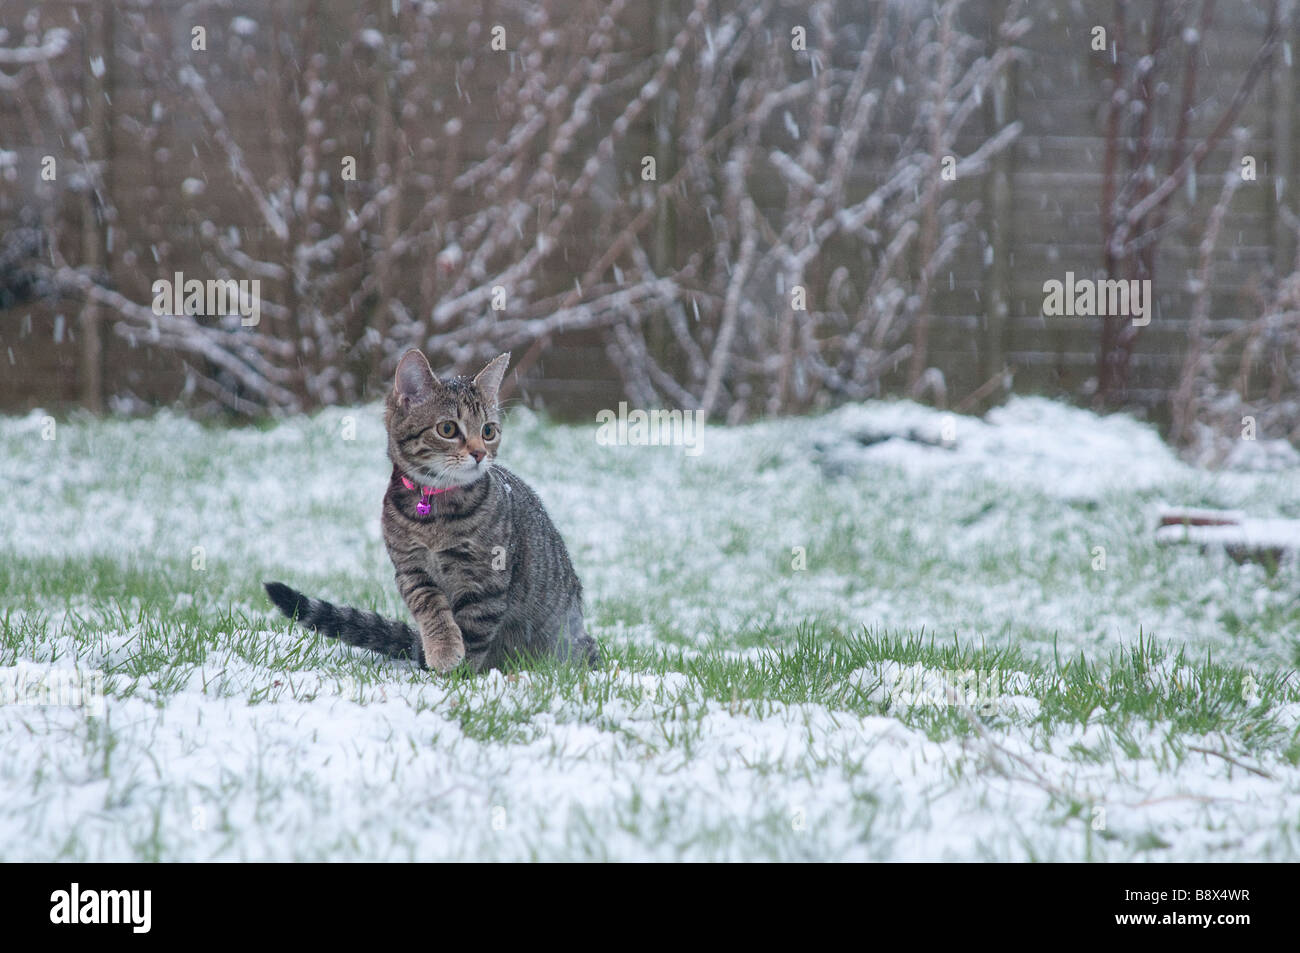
(742, 220)
(51, 47)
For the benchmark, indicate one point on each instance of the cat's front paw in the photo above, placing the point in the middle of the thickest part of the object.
(445, 657)
(444, 649)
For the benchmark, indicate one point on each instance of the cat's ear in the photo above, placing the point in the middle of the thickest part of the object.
(414, 381)
(489, 379)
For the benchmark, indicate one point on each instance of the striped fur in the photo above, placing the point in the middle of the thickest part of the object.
(485, 575)
(367, 630)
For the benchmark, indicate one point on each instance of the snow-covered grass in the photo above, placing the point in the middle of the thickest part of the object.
(815, 649)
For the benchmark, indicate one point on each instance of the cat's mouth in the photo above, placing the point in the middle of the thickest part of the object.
(457, 474)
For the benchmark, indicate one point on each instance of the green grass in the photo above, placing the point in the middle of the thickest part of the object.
(745, 710)
(1146, 685)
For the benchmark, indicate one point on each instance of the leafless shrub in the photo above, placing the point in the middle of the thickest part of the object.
(776, 168)
(1155, 112)
(1244, 381)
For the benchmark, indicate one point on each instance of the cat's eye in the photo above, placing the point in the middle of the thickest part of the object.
(489, 431)
(446, 429)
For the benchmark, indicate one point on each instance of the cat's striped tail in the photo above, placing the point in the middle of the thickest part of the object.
(367, 630)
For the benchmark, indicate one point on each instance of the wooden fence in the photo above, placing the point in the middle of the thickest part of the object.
(1040, 213)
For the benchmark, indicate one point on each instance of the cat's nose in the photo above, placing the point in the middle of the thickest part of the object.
(478, 455)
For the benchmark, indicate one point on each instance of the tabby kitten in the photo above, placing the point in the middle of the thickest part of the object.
(479, 563)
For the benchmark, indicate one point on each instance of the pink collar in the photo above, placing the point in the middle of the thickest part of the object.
(425, 492)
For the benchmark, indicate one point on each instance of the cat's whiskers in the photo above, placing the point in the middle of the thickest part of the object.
(440, 474)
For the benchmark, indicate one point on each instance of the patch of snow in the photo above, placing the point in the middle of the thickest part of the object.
(1259, 456)
(985, 531)
(1066, 452)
